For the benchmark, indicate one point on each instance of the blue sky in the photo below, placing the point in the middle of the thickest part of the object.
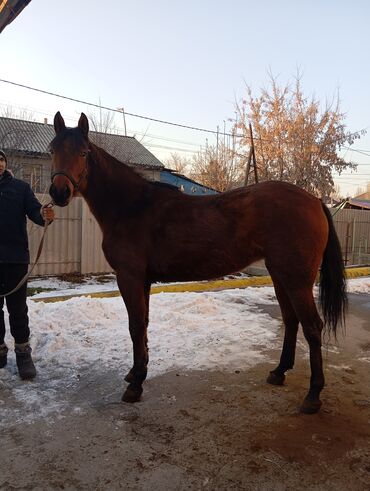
(187, 62)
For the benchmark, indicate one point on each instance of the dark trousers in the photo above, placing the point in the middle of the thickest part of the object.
(10, 276)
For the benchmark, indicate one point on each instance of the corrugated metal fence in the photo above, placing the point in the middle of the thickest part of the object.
(73, 241)
(353, 228)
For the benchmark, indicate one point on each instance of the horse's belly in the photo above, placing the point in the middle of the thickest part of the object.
(193, 267)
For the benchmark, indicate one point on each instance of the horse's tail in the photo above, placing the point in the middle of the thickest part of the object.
(333, 296)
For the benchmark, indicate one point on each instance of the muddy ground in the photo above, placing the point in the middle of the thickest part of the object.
(206, 430)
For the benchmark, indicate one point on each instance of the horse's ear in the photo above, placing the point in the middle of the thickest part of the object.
(59, 124)
(83, 124)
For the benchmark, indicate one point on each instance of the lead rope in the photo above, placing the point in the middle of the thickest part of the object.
(25, 278)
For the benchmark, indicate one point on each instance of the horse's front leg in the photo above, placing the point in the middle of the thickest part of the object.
(130, 377)
(136, 297)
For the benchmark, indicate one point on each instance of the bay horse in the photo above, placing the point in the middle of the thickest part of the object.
(154, 232)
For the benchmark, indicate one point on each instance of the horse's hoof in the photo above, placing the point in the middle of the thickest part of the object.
(275, 379)
(132, 394)
(310, 407)
(129, 377)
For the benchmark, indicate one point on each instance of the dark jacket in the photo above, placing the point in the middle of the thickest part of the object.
(17, 201)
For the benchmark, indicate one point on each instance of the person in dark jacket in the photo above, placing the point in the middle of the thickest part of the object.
(17, 201)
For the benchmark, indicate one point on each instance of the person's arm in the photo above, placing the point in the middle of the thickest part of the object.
(35, 211)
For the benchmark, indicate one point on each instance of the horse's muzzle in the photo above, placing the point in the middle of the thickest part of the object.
(61, 196)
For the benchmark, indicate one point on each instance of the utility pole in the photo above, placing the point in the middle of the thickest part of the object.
(251, 159)
(218, 130)
(224, 145)
(253, 155)
(122, 110)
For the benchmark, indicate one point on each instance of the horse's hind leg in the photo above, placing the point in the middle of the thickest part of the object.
(277, 376)
(312, 325)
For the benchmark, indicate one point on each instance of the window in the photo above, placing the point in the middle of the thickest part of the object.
(32, 173)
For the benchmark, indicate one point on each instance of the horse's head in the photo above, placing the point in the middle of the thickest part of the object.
(69, 150)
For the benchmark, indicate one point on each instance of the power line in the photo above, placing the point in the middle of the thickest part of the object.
(157, 137)
(355, 174)
(179, 125)
(357, 150)
(349, 176)
(164, 147)
(119, 111)
(145, 134)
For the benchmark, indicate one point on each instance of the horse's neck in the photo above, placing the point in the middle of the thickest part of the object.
(112, 187)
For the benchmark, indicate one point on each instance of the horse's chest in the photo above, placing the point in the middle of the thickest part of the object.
(121, 252)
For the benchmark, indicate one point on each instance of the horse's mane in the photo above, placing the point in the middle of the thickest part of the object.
(110, 165)
(107, 158)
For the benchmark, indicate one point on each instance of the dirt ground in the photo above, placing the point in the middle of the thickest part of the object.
(206, 430)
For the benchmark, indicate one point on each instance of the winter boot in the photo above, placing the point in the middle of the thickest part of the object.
(3, 355)
(25, 365)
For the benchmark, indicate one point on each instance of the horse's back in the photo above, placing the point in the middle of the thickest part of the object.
(276, 207)
(217, 235)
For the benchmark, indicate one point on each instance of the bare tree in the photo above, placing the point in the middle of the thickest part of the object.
(336, 194)
(295, 140)
(218, 167)
(23, 114)
(363, 190)
(102, 123)
(15, 137)
(180, 164)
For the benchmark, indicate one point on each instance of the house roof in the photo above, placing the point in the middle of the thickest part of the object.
(363, 196)
(182, 176)
(359, 203)
(33, 138)
(9, 11)
(354, 203)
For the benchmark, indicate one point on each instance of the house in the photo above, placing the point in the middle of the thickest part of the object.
(359, 202)
(26, 146)
(184, 183)
(9, 9)
(364, 196)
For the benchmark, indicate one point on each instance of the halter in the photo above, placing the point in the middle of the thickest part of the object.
(76, 184)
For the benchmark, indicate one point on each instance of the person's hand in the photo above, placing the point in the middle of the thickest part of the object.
(47, 213)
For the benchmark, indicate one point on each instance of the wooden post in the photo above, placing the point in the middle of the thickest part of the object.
(346, 244)
(253, 154)
(353, 240)
(251, 159)
(247, 170)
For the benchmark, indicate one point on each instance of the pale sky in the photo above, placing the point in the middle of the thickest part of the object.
(187, 62)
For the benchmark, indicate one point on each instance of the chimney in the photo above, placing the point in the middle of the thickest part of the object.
(45, 120)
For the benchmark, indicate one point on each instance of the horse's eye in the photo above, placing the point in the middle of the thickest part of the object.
(83, 154)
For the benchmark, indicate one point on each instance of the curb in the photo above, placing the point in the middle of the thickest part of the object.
(204, 286)
(357, 272)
